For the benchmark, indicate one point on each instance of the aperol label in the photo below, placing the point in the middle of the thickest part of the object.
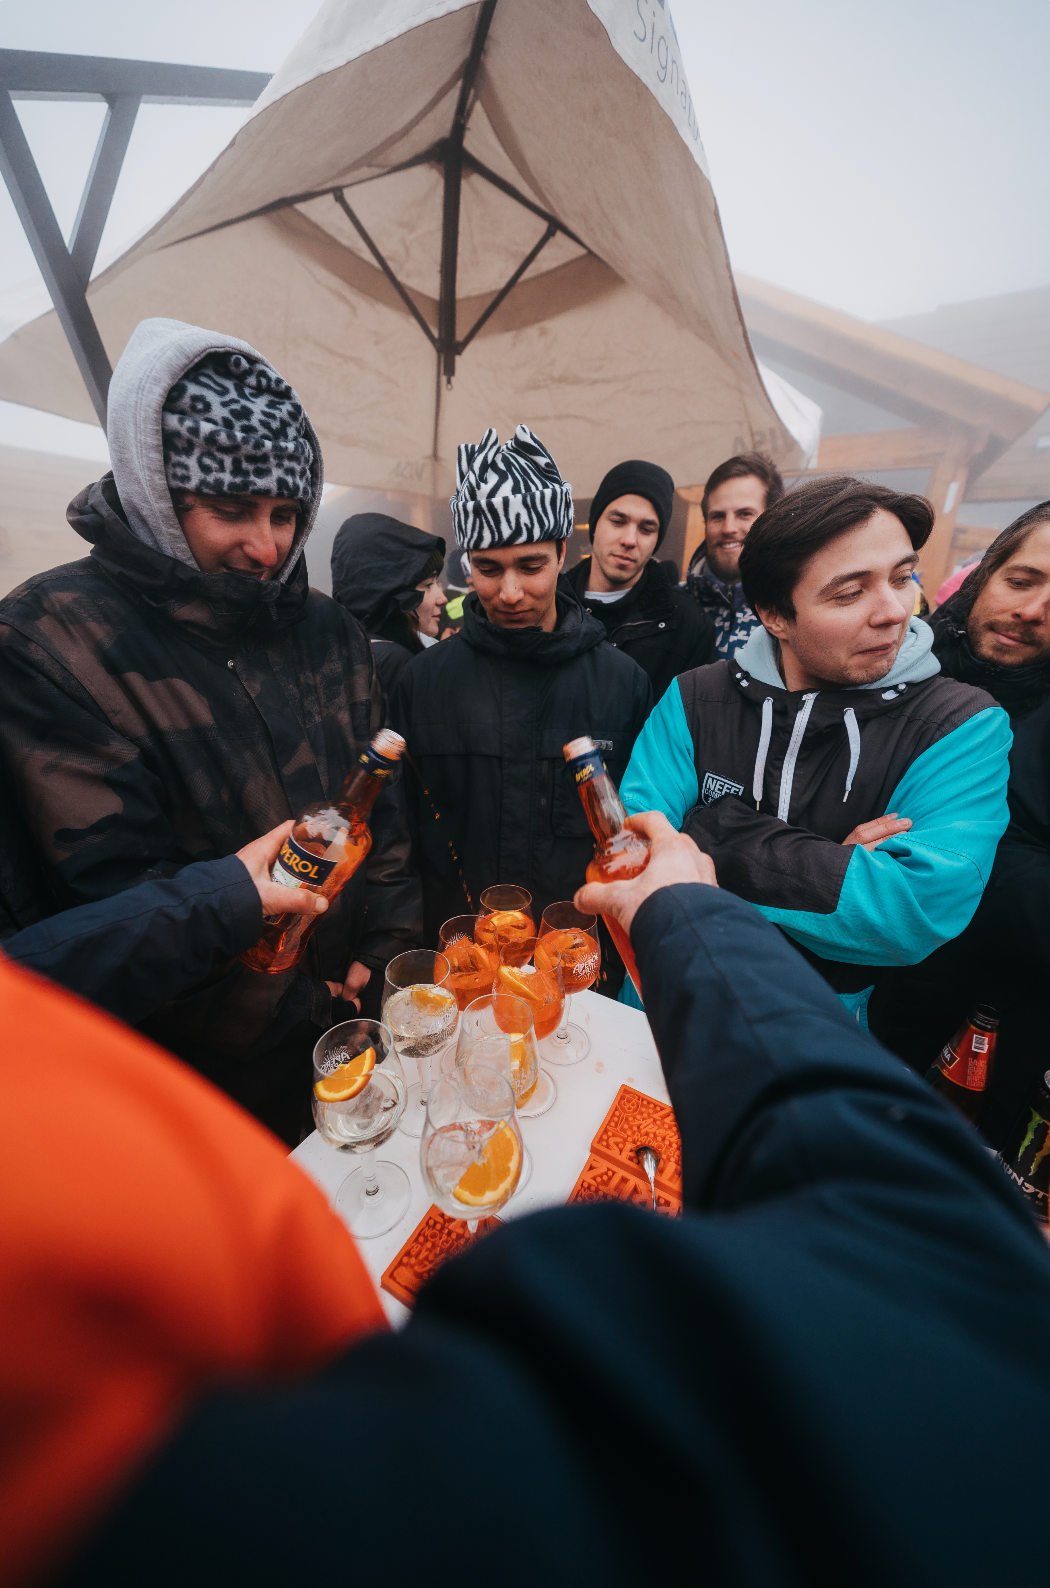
(298, 868)
(587, 766)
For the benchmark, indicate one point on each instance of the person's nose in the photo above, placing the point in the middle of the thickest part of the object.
(892, 607)
(1035, 608)
(510, 591)
(261, 546)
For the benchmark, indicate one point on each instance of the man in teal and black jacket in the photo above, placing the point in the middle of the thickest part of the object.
(837, 779)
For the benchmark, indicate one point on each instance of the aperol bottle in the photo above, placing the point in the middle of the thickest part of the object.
(963, 1069)
(328, 843)
(621, 853)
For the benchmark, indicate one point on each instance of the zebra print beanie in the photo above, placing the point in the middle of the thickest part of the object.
(231, 426)
(509, 496)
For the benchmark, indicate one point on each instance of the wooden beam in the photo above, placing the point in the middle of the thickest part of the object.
(895, 366)
(694, 527)
(919, 448)
(945, 489)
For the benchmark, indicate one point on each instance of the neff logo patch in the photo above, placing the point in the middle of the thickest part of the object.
(715, 786)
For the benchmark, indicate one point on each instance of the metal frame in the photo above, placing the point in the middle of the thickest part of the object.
(124, 86)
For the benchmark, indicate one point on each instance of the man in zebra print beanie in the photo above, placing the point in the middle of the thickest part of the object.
(509, 496)
(486, 714)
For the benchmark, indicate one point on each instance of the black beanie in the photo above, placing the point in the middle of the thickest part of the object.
(636, 478)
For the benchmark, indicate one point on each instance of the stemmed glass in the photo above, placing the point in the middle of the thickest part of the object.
(506, 914)
(574, 935)
(421, 1011)
(471, 1152)
(473, 965)
(531, 970)
(505, 1025)
(358, 1101)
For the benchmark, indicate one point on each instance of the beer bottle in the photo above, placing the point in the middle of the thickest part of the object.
(328, 843)
(1026, 1151)
(963, 1068)
(620, 853)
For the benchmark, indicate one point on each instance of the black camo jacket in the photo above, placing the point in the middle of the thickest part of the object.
(154, 716)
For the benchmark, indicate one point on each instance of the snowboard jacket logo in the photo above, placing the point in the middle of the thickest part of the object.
(714, 787)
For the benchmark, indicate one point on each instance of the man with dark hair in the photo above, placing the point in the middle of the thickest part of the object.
(736, 493)
(838, 781)
(182, 691)
(486, 713)
(994, 632)
(627, 590)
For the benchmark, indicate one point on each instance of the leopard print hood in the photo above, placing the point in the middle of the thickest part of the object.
(157, 357)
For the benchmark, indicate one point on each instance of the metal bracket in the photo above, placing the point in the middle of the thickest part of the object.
(123, 85)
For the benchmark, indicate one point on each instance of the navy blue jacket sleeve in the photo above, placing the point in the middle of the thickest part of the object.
(137, 950)
(847, 1325)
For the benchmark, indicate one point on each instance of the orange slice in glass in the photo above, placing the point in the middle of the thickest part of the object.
(434, 1000)
(490, 1182)
(348, 1079)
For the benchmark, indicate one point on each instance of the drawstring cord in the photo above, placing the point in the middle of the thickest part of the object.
(849, 717)
(787, 776)
(763, 750)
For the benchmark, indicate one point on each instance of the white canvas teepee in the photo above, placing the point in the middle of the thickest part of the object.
(443, 215)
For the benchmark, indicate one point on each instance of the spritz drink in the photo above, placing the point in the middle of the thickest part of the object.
(506, 916)
(473, 965)
(532, 973)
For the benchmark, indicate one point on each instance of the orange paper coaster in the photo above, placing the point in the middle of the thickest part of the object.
(434, 1240)
(602, 1181)
(634, 1121)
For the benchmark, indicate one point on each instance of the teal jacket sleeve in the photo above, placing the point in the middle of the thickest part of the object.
(661, 774)
(904, 899)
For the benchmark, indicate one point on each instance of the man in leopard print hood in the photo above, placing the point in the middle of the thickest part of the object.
(182, 691)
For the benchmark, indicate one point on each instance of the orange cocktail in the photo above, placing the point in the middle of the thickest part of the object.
(532, 973)
(473, 969)
(580, 957)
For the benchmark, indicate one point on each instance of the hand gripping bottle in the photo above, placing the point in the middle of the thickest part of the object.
(323, 850)
(621, 853)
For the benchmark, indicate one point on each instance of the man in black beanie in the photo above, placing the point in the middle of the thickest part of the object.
(642, 610)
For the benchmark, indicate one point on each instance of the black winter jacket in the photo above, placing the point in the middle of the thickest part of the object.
(154, 715)
(855, 1298)
(377, 562)
(1003, 957)
(486, 714)
(657, 625)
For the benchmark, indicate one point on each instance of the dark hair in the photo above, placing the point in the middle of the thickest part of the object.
(782, 539)
(1012, 538)
(742, 467)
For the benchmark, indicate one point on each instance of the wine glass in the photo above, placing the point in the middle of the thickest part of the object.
(575, 935)
(529, 970)
(505, 1025)
(421, 1011)
(358, 1101)
(473, 965)
(471, 1152)
(506, 913)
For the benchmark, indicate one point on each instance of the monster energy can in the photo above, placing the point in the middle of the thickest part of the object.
(1026, 1152)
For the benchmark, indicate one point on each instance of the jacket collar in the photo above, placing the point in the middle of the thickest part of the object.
(915, 661)
(648, 600)
(575, 633)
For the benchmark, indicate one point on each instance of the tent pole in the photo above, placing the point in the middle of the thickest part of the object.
(453, 182)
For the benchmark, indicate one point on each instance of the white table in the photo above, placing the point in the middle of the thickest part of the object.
(622, 1051)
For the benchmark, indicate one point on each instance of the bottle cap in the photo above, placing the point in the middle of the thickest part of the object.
(575, 747)
(389, 743)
